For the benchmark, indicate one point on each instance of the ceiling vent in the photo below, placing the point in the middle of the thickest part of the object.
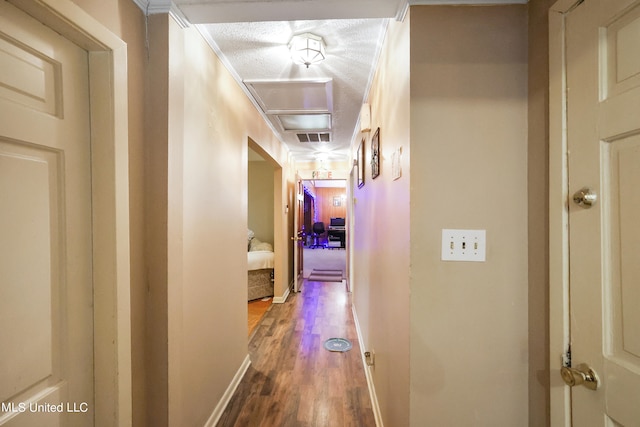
(314, 137)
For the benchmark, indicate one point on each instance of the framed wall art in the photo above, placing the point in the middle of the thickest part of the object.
(375, 154)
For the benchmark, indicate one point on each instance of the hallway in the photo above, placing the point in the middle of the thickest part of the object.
(293, 380)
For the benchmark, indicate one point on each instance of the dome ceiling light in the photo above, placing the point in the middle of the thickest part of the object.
(307, 49)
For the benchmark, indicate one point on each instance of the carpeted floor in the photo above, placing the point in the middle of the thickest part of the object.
(324, 259)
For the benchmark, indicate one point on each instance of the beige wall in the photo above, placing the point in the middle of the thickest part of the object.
(260, 200)
(464, 166)
(538, 173)
(208, 317)
(380, 238)
(469, 171)
(188, 216)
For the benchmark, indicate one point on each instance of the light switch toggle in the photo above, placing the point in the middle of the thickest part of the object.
(464, 245)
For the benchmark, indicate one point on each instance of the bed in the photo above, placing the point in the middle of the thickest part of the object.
(260, 261)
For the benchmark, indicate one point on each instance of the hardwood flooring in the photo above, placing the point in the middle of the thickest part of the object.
(293, 381)
(257, 309)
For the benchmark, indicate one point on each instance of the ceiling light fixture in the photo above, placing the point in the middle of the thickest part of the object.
(307, 122)
(306, 49)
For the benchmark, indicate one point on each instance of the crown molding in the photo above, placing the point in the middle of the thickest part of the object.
(153, 7)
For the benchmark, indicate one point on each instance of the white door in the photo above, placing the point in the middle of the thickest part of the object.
(603, 116)
(46, 292)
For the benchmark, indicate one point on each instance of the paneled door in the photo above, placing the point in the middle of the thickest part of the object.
(46, 291)
(603, 116)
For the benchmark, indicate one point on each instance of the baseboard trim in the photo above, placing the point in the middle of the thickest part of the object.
(367, 372)
(228, 394)
(282, 299)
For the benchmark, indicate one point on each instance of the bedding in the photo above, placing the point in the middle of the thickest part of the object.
(260, 262)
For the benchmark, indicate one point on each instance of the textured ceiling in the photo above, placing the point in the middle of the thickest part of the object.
(251, 38)
(257, 52)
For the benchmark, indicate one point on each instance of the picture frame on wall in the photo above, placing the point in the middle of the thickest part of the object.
(360, 164)
(375, 154)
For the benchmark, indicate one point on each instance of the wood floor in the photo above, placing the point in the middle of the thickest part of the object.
(293, 381)
(257, 309)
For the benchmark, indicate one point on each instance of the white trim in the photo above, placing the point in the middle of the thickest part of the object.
(110, 197)
(228, 394)
(155, 7)
(559, 333)
(152, 7)
(178, 16)
(282, 299)
(374, 69)
(143, 5)
(367, 373)
(402, 11)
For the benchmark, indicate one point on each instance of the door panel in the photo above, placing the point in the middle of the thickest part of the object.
(27, 180)
(603, 82)
(46, 290)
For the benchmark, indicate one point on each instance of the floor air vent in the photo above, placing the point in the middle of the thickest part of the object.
(314, 137)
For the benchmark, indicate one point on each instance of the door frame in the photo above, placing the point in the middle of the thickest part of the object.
(281, 286)
(559, 325)
(107, 56)
(298, 235)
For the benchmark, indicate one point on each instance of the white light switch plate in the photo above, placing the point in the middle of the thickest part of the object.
(464, 245)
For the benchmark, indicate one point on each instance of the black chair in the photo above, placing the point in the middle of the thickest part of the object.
(318, 232)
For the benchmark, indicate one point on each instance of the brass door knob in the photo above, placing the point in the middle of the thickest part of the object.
(585, 197)
(580, 375)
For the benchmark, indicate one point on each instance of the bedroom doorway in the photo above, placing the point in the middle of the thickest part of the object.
(262, 188)
(325, 213)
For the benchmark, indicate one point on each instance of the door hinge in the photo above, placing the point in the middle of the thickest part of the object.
(566, 357)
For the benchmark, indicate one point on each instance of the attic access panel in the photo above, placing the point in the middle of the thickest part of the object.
(292, 96)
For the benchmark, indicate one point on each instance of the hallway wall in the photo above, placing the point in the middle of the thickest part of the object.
(188, 213)
(464, 165)
(207, 301)
(469, 331)
(380, 237)
(260, 200)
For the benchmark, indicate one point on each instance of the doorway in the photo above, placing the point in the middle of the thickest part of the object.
(262, 186)
(325, 213)
(594, 288)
